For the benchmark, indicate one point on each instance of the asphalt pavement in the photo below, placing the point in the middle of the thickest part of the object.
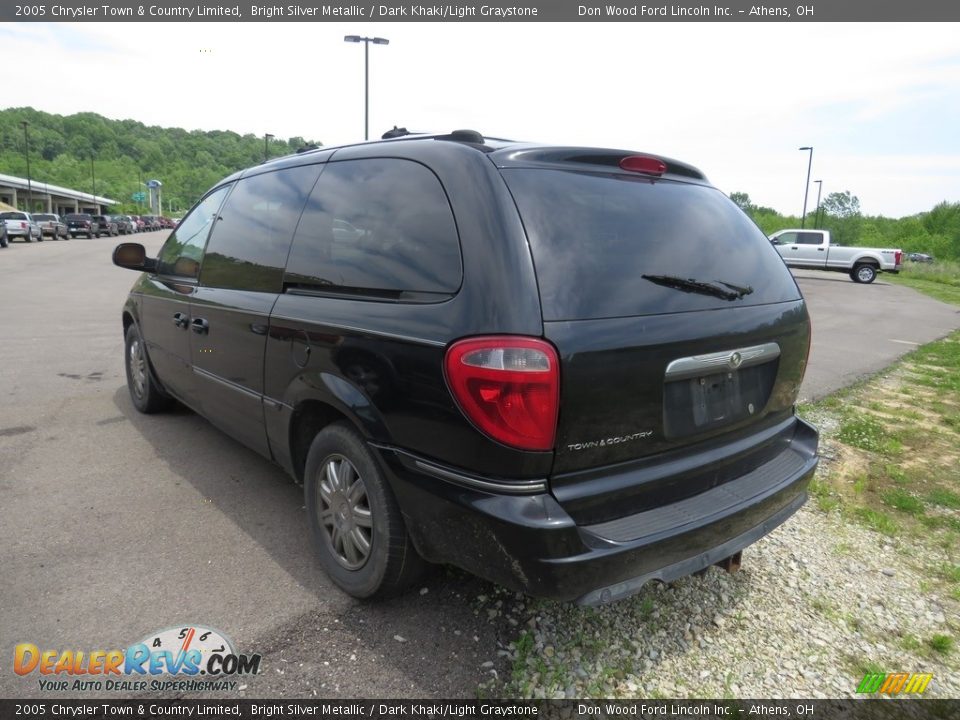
(114, 525)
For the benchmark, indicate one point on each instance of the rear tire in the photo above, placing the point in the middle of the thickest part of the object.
(146, 395)
(355, 523)
(863, 273)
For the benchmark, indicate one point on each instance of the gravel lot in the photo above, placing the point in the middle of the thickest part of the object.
(816, 604)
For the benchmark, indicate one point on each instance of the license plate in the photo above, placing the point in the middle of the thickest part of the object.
(695, 405)
(715, 398)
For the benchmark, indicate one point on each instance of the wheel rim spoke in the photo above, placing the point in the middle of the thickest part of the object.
(361, 541)
(357, 491)
(349, 549)
(362, 517)
(326, 517)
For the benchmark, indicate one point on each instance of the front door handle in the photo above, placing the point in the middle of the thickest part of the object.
(181, 320)
(200, 326)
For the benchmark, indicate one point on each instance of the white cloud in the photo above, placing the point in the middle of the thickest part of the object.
(733, 99)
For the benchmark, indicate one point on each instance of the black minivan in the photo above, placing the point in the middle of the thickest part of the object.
(567, 370)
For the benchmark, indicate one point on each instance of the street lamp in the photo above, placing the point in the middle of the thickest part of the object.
(816, 215)
(266, 150)
(806, 189)
(26, 152)
(366, 75)
(93, 175)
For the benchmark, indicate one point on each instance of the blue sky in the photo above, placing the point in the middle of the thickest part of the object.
(880, 103)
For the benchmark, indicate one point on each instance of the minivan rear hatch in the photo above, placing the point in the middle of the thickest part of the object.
(678, 327)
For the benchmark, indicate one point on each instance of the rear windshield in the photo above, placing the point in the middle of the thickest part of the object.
(13, 216)
(595, 236)
(44, 217)
(74, 216)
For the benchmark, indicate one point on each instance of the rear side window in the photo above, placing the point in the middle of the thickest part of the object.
(595, 236)
(376, 227)
(806, 238)
(249, 245)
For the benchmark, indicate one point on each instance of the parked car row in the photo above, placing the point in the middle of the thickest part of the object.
(28, 227)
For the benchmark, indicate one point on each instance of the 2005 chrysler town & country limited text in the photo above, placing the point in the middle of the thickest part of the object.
(567, 370)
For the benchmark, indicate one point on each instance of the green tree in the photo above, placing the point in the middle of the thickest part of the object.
(841, 204)
(742, 200)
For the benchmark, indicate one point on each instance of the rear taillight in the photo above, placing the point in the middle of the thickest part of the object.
(23, 225)
(897, 257)
(508, 386)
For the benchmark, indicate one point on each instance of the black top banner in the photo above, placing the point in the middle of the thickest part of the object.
(434, 709)
(489, 11)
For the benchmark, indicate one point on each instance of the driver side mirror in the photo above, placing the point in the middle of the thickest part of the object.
(133, 256)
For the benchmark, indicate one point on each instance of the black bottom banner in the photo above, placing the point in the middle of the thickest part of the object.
(433, 709)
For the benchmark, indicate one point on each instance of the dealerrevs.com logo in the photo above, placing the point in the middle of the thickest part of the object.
(176, 659)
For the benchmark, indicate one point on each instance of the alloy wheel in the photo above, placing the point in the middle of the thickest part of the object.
(343, 510)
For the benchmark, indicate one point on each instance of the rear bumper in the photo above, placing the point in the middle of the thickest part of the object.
(526, 541)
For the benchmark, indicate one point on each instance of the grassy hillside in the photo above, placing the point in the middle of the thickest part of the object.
(125, 152)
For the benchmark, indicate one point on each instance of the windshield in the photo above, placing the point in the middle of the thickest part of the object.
(611, 245)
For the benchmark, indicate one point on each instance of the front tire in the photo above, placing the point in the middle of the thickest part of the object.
(864, 274)
(355, 523)
(146, 395)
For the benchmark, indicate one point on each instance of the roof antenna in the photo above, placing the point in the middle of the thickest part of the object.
(395, 133)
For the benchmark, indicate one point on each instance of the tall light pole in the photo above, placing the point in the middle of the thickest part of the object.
(816, 214)
(26, 152)
(366, 75)
(266, 147)
(806, 189)
(93, 176)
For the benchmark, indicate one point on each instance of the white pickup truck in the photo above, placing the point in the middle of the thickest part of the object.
(812, 250)
(21, 225)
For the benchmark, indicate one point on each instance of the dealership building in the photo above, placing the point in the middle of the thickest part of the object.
(41, 197)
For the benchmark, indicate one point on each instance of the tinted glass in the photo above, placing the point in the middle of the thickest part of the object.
(806, 238)
(181, 253)
(13, 216)
(248, 248)
(595, 236)
(79, 216)
(44, 217)
(377, 225)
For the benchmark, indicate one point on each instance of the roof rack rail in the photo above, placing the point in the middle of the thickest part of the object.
(466, 136)
(395, 133)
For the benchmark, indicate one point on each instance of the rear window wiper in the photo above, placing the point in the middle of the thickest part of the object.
(720, 289)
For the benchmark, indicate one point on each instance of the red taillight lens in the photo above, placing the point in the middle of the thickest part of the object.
(897, 257)
(641, 164)
(509, 387)
(23, 226)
